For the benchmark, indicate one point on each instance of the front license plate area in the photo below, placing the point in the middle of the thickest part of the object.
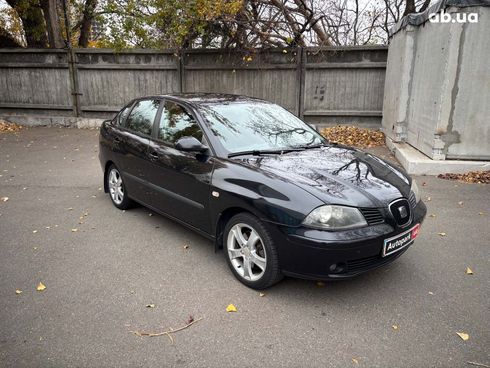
(400, 241)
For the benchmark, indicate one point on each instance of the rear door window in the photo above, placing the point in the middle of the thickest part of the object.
(121, 117)
(141, 118)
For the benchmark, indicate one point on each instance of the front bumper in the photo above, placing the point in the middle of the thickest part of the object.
(311, 254)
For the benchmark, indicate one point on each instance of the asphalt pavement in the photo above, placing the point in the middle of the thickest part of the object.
(102, 268)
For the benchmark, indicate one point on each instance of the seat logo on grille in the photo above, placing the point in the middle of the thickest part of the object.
(402, 210)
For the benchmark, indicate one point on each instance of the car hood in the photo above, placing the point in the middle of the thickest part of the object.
(337, 175)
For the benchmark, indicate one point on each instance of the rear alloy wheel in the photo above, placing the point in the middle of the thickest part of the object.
(117, 190)
(250, 252)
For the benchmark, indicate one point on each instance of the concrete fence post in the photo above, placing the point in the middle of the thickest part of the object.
(73, 72)
(181, 71)
(300, 80)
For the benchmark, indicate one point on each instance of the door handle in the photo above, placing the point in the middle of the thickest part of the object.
(153, 155)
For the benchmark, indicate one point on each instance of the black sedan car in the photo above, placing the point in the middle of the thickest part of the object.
(265, 186)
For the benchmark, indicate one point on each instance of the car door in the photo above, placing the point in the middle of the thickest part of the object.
(116, 136)
(135, 139)
(181, 180)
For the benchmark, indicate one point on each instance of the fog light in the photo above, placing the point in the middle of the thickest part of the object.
(337, 268)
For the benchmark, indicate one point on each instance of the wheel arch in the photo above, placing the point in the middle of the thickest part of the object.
(106, 171)
(221, 222)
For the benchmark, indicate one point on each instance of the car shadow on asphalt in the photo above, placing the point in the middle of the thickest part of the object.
(366, 287)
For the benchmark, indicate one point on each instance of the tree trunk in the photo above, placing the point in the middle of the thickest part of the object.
(51, 16)
(410, 7)
(86, 25)
(424, 6)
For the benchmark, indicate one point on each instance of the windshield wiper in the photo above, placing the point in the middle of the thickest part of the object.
(264, 152)
(310, 146)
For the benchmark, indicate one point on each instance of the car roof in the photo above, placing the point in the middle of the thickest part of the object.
(201, 98)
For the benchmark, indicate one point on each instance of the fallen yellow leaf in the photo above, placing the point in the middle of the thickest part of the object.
(441, 234)
(18, 291)
(34, 231)
(4, 199)
(74, 230)
(481, 213)
(355, 361)
(41, 287)
(261, 294)
(463, 335)
(432, 215)
(186, 246)
(469, 271)
(428, 199)
(460, 203)
(231, 308)
(395, 327)
(150, 306)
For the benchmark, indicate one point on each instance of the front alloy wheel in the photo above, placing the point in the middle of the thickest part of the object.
(250, 252)
(246, 252)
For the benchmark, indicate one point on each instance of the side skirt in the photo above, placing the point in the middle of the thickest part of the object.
(193, 228)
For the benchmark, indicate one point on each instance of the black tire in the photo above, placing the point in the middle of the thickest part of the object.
(126, 202)
(272, 273)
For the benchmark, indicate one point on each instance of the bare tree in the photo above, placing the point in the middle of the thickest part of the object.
(411, 6)
(251, 24)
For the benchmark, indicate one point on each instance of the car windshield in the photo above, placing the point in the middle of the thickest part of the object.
(258, 126)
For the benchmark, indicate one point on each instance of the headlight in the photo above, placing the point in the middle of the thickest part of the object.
(335, 217)
(415, 190)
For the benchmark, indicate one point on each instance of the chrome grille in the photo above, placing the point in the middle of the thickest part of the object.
(373, 216)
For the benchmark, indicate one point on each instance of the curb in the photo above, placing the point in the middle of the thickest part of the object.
(63, 121)
(416, 163)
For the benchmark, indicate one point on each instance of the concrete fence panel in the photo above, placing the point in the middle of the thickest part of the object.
(35, 81)
(269, 75)
(344, 84)
(322, 85)
(107, 81)
(437, 86)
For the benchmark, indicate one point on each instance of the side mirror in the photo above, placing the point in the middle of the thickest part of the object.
(190, 144)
